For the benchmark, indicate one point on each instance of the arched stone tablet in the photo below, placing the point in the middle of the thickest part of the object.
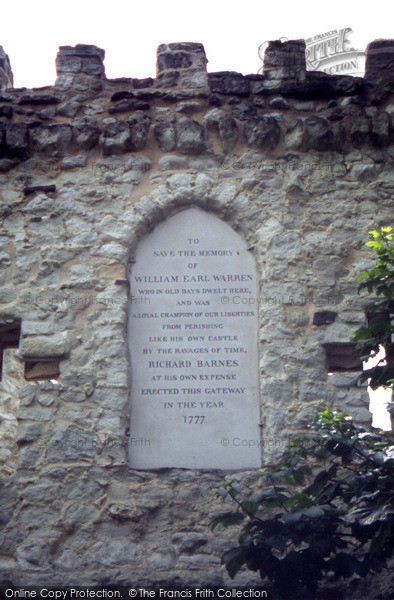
(193, 342)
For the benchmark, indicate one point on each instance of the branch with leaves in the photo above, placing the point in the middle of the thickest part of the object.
(341, 521)
(379, 330)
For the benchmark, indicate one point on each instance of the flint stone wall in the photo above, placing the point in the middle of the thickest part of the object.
(296, 161)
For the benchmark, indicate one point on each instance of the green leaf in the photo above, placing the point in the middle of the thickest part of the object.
(234, 559)
(227, 519)
(304, 500)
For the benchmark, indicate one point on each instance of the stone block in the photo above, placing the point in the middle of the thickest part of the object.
(115, 552)
(262, 134)
(28, 432)
(40, 346)
(140, 124)
(165, 132)
(116, 137)
(33, 555)
(72, 445)
(192, 137)
(53, 140)
(87, 132)
(17, 139)
(229, 83)
(171, 162)
(189, 542)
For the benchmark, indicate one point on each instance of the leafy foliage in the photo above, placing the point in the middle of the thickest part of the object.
(305, 525)
(379, 330)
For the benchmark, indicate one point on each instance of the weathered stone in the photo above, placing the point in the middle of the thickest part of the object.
(53, 140)
(170, 162)
(139, 163)
(165, 132)
(189, 107)
(192, 137)
(71, 445)
(229, 82)
(88, 132)
(38, 99)
(188, 542)
(129, 105)
(163, 558)
(48, 346)
(6, 77)
(28, 394)
(74, 162)
(243, 110)
(379, 62)
(69, 109)
(360, 131)
(18, 140)
(6, 111)
(115, 552)
(147, 82)
(41, 203)
(5, 259)
(168, 79)
(7, 292)
(364, 173)
(6, 164)
(319, 134)
(173, 60)
(33, 554)
(28, 432)
(228, 133)
(380, 130)
(279, 103)
(320, 85)
(207, 161)
(116, 137)
(140, 124)
(262, 133)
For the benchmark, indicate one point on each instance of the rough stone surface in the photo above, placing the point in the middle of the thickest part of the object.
(262, 134)
(192, 137)
(297, 162)
(6, 77)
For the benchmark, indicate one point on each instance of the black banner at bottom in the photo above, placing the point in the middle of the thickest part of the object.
(139, 592)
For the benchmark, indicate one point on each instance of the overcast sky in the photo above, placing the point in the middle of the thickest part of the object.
(130, 30)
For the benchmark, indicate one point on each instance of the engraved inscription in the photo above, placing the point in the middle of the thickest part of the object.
(193, 347)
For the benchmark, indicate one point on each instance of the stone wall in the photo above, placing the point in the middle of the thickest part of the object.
(296, 161)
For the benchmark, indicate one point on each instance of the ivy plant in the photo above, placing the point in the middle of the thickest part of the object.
(328, 506)
(379, 330)
(307, 523)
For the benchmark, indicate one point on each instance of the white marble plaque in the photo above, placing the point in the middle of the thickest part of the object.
(193, 347)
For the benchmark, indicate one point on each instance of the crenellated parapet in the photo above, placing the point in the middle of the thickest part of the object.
(189, 111)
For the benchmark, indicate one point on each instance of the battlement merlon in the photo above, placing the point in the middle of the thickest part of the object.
(6, 76)
(80, 67)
